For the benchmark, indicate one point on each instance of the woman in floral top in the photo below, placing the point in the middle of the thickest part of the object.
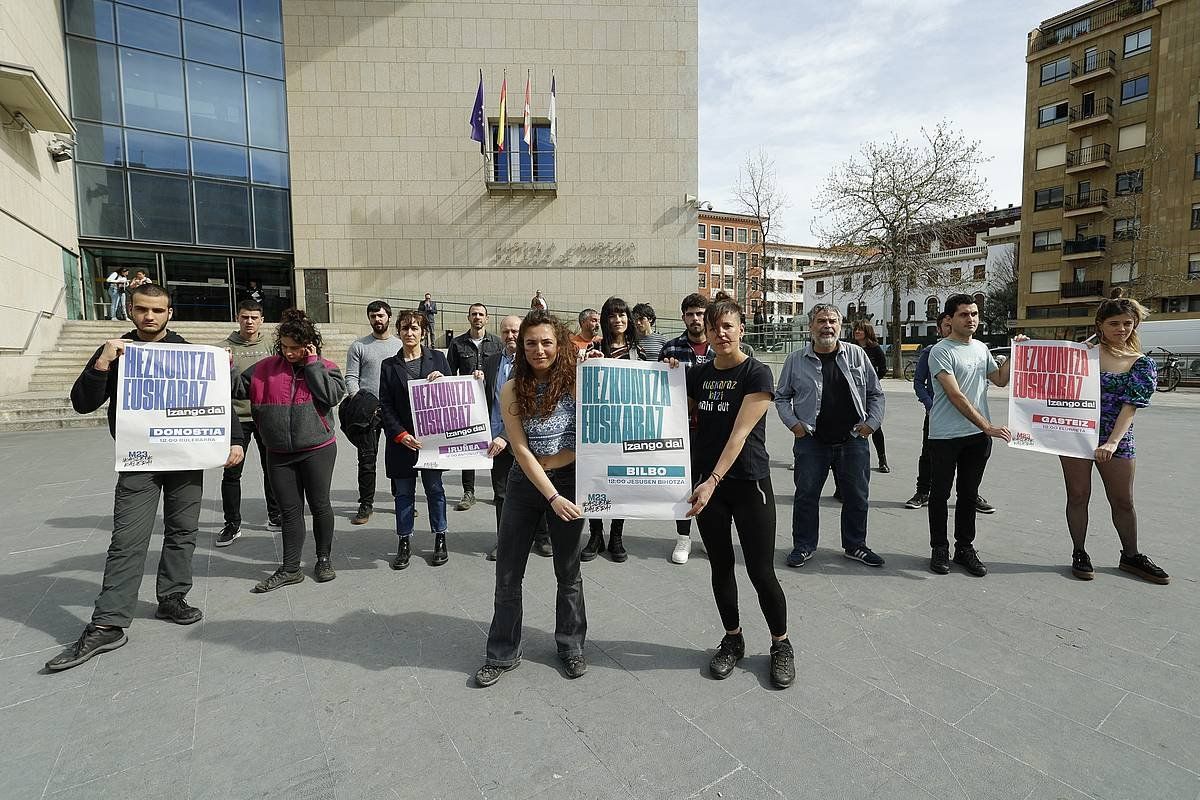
(1127, 380)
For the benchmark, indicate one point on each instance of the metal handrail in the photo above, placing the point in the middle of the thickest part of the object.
(1090, 244)
(1088, 155)
(1095, 197)
(1091, 63)
(38, 317)
(1082, 26)
(1099, 108)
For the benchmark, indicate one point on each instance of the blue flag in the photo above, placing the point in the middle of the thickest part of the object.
(477, 126)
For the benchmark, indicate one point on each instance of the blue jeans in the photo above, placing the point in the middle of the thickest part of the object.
(851, 461)
(118, 303)
(405, 491)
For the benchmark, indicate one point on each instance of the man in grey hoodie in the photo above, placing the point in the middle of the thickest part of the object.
(248, 346)
(362, 374)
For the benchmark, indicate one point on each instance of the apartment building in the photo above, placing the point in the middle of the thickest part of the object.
(729, 257)
(1111, 180)
(784, 290)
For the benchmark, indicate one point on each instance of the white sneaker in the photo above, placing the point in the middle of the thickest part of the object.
(683, 548)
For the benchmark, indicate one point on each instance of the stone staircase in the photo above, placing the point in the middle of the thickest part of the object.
(46, 405)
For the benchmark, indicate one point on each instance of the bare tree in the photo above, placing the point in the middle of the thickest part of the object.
(884, 208)
(758, 195)
(1000, 303)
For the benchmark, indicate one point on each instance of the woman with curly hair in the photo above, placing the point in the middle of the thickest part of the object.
(618, 339)
(1127, 381)
(291, 394)
(413, 362)
(538, 406)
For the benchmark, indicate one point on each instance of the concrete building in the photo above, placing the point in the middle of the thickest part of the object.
(786, 264)
(729, 257)
(39, 251)
(1111, 163)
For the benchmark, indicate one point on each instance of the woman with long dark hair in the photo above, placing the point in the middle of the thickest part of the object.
(538, 406)
(413, 362)
(618, 339)
(864, 337)
(1127, 381)
(291, 395)
(730, 396)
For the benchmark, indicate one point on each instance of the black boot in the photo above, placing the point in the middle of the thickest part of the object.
(595, 545)
(616, 546)
(401, 559)
(440, 556)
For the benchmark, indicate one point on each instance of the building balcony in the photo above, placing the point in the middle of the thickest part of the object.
(1098, 156)
(1094, 66)
(959, 253)
(1096, 112)
(1081, 289)
(1080, 205)
(1087, 247)
(1069, 30)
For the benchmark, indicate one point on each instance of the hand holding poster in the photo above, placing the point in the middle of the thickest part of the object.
(633, 454)
(1054, 402)
(450, 418)
(173, 407)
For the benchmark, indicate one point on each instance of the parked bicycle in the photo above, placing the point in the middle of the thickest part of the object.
(1169, 372)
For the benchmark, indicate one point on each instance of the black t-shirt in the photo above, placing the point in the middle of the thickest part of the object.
(838, 414)
(718, 394)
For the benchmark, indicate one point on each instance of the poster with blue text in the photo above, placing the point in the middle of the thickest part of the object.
(633, 456)
(173, 407)
(450, 419)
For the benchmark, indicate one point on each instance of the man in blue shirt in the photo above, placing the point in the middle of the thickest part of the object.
(497, 369)
(923, 387)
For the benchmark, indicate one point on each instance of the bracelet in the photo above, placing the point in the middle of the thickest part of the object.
(717, 476)
(555, 497)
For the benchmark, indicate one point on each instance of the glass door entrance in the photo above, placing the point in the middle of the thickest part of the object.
(199, 286)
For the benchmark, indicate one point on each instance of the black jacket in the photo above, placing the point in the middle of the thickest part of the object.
(465, 358)
(358, 414)
(396, 410)
(93, 387)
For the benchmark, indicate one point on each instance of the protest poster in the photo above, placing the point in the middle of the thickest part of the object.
(450, 419)
(633, 454)
(1054, 399)
(173, 407)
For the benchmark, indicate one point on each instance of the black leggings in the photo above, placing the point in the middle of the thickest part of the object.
(293, 481)
(751, 506)
(596, 526)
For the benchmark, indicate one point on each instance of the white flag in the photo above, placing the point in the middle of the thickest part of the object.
(553, 115)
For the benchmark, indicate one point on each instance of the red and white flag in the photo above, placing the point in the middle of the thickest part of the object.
(528, 137)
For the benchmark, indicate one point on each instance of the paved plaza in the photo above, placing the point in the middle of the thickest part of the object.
(1024, 685)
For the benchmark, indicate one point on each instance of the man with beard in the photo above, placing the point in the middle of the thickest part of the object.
(362, 374)
(589, 329)
(466, 355)
(135, 505)
(829, 397)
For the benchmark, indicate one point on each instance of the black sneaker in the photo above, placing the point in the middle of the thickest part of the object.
(939, 561)
(92, 642)
(574, 667)
(490, 673)
(274, 523)
(983, 506)
(783, 664)
(798, 557)
(230, 532)
(1139, 564)
(363, 515)
(323, 571)
(730, 651)
(865, 555)
(966, 557)
(278, 578)
(542, 547)
(1081, 566)
(918, 500)
(176, 609)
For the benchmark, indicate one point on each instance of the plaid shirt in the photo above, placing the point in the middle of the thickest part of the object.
(680, 349)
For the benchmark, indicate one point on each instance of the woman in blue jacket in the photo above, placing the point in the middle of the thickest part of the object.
(413, 362)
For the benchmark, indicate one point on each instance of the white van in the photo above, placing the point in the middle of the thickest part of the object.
(1179, 336)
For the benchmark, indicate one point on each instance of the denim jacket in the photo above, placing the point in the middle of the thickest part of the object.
(798, 396)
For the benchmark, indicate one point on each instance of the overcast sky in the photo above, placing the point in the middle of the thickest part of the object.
(810, 81)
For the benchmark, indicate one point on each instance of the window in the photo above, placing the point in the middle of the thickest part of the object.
(703, 231)
(1124, 273)
(216, 104)
(728, 258)
(1045, 281)
(263, 57)
(272, 219)
(1056, 70)
(1048, 198)
(1126, 229)
(741, 235)
(956, 274)
(152, 90)
(741, 261)
(101, 193)
(931, 308)
(729, 234)
(702, 257)
(268, 115)
(156, 151)
(754, 261)
(866, 281)
(1054, 155)
(1138, 42)
(1131, 136)
(729, 282)
(515, 164)
(754, 236)
(1195, 216)
(980, 272)
(714, 258)
(1047, 240)
(714, 233)
(846, 283)
(1194, 267)
(820, 287)
(212, 160)
(269, 167)
(1052, 114)
(93, 81)
(212, 45)
(99, 144)
(222, 213)
(161, 206)
(91, 18)
(1129, 182)
(703, 280)
(912, 308)
(147, 30)
(262, 18)
(1135, 89)
(1196, 167)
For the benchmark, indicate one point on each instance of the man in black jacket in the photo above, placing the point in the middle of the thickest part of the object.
(135, 506)
(497, 369)
(466, 355)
